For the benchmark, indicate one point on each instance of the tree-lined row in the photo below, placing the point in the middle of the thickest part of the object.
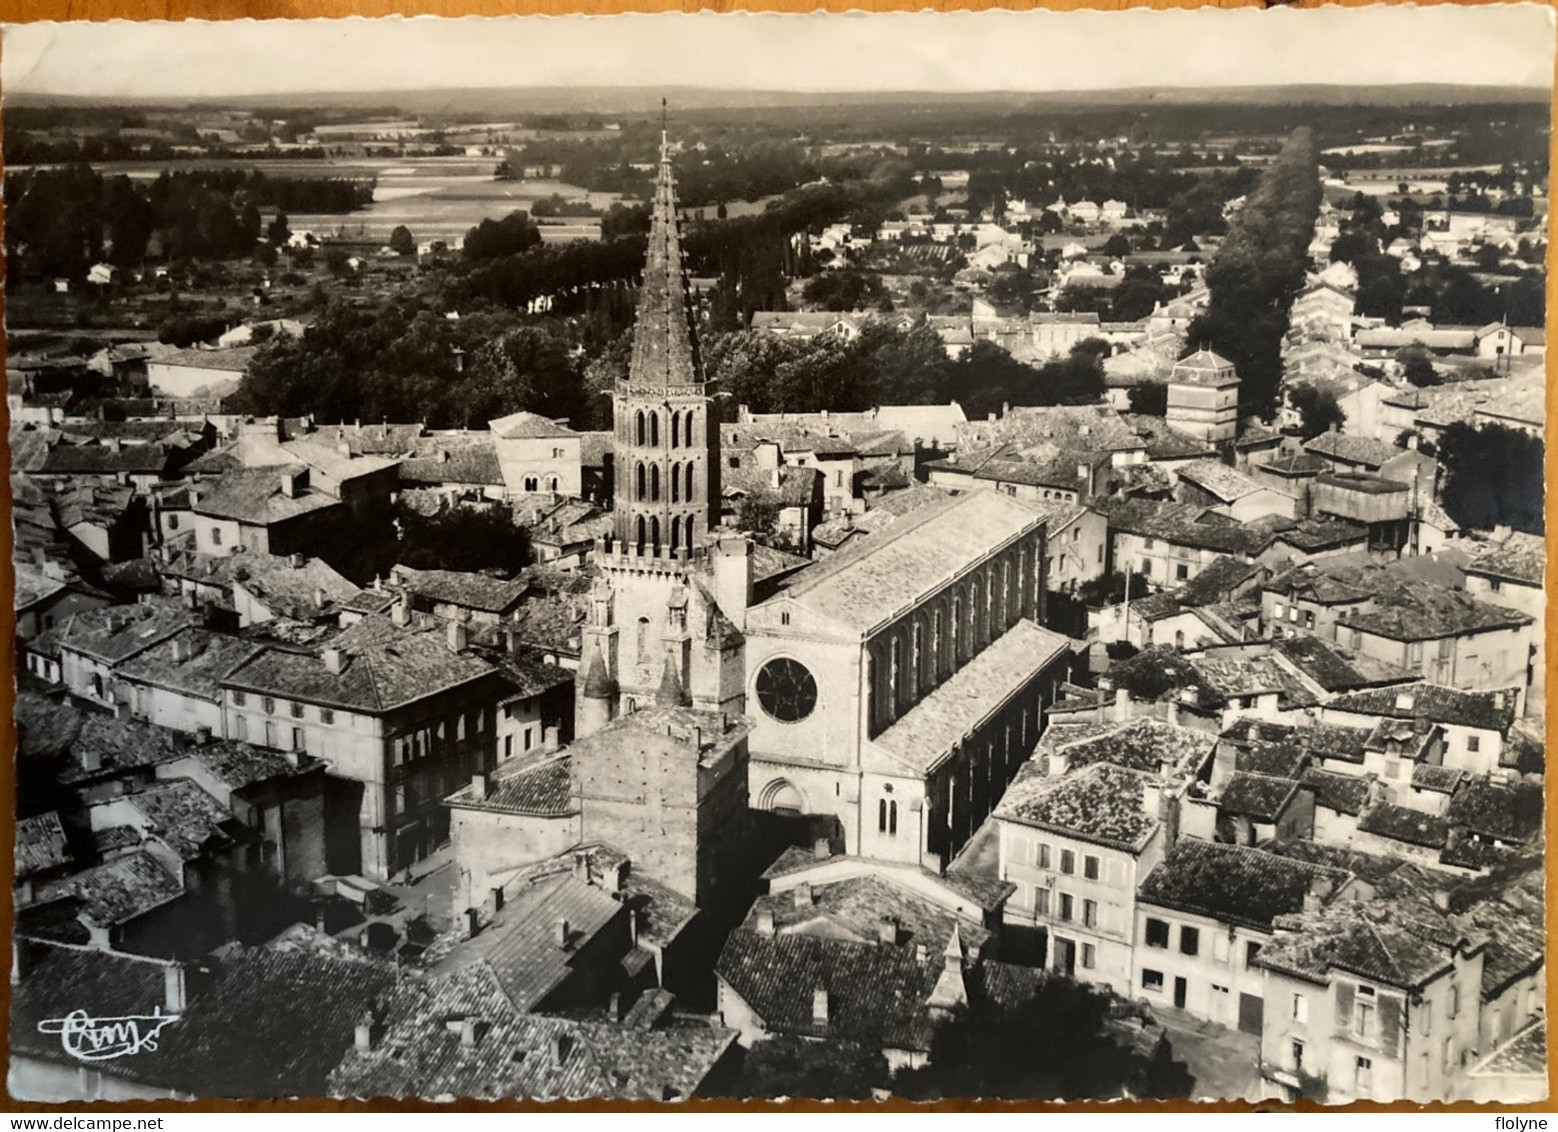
(61, 221)
(1258, 270)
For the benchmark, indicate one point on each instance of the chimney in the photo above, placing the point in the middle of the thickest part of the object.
(175, 988)
(559, 1048)
(887, 930)
(1315, 897)
(560, 934)
(319, 597)
(468, 1033)
(366, 1032)
(1252, 732)
(1122, 705)
(181, 650)
(479, 787)
(472, 922)
(821, 849)
(294, 757)
(297, 561)
(402, 611)
(765, 921)
(1498, 701)
(819, 1005)
(202, 736)
(921, 954)
(335, 661)
(290, 484)
(497, 898)
(803, 895)
(457, 635)
(1442, 899)
(581, 867)
(1405, 701)
(614, 1006)
(697, 738)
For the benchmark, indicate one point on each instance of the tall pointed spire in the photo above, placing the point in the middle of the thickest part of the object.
(665, 344)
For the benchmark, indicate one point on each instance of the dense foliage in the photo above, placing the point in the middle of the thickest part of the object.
(1258, 271)
(1317, 408)
(60, 221)
(1494, 477)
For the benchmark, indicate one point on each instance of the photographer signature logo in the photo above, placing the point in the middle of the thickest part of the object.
(101, 1039)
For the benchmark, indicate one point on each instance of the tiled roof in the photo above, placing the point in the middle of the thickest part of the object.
(868, 582)
(528, 426)
(1164, 442)
(1344, 793)
(1350, 449)
(383, 666)
(328, 460)
(452, 459)
(1421, 612)
(191, 663)
(929, 731)
(1217, 581)
(1218, 479)
(520, 944)
(1234, 884)
(1520, 558)
(273, 580)
(1337, 669)
(261, 1023)
(469, 591)
(420, 1052)
(236, 359)
(40, 844)
(255, 496)
(1203, 368)
(1241, 674)
(1055, 428)
(1525, 1055)
(1489, 711)
(118, 633)
(1279, 760)
(877, 992)
(1436, 779)
(118, 891)
(52, 728)
(1261, 797)
(1402, 823)
(525, 674)
(1101, 803)
(182, 815)
(1148, 745)
(104, 460)
(1400, 942)
(542, 787)
(1510, 812)
(1182, 525)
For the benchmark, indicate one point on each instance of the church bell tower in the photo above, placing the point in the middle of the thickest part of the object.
(667, 436)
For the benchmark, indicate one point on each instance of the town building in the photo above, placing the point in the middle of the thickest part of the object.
(1203, 397)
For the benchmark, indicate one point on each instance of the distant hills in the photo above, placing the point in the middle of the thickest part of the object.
(641, 100)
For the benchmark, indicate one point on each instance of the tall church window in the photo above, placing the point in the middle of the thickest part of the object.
(676, 533)
(643, 635)
(551, 484)
(640, 533)
(654, 485)
(654, 430)
(937, 660)
(916, 659)
(530, 483)
(894, 671)
(640, 476)
(954, 629)
(687, 429)
(641, 426)
(689, 482)
(676, 472)
(676, 428)
(654, 529)
(689, 522)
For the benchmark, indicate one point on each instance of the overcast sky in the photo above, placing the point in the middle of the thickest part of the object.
(1502, 44)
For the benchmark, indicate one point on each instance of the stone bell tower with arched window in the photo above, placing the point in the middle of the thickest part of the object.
(667, 439)
(664, 625)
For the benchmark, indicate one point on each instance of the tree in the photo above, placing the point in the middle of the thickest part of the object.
(758, 513)
(1149, 398)
(1417, 365)
(338, 262)
(1318, 409)
(1117, 245)
(1493, 477)
(784, 1066)
(1059, 1043)
(494, 239)
(402, 242)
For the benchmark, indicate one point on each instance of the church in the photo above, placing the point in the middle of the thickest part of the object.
(894, 688)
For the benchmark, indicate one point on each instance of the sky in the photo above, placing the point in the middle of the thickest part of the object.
(1502, 44)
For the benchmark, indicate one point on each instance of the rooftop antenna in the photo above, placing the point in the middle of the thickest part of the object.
(665, 114)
